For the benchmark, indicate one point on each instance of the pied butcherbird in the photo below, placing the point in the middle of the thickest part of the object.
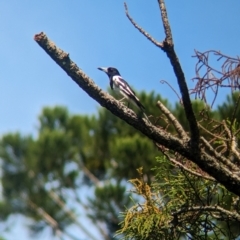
(118, 84)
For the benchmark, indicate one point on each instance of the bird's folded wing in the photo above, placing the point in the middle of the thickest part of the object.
(123, 85)
(126, 90)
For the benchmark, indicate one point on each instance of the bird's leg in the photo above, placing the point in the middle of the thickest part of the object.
(121, 99)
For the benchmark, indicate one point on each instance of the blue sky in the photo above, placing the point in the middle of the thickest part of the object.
(97, 33)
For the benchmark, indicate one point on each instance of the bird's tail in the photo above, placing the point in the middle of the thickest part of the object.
(142, 108)
(138, 103)
(145, 115)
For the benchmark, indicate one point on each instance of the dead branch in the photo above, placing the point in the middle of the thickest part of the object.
(233, 142)
(179, 98)
(141, 30)
(168, 47)
(209, 77)
(217, 209)
(173, 120)
(205, 161)
(187, 169)
(222, 160)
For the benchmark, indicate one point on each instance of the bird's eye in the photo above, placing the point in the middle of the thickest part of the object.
(110, 69)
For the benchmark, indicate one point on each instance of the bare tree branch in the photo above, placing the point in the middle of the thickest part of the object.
(180, 165)
(206, 162)
(217, 209)
(167, 46)
(211, 133)
(141, 30)
(173, 120)
(219, 157)
(234, 148)
(166, 24)
(233, 141)
(169, 49)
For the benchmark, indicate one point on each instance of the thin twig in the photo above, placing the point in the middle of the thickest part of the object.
(233, 141)
(226, 213)
(213, 78)
(141, 30)
(234, 149)
(175, 162)
(228, 131)
(173, 120)
(212, 134)
(179, 98)
(218, 156)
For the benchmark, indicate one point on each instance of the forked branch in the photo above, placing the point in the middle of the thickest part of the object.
(141, 30)
(222, 173)
(168, 47)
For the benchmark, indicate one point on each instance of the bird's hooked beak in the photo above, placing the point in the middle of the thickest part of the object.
(104, 69)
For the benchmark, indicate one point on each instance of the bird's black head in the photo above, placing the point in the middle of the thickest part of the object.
(110, 71)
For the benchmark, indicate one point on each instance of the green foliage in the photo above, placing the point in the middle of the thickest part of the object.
(230, 106)
(67, 151)
(173, 207)
(75, 154)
